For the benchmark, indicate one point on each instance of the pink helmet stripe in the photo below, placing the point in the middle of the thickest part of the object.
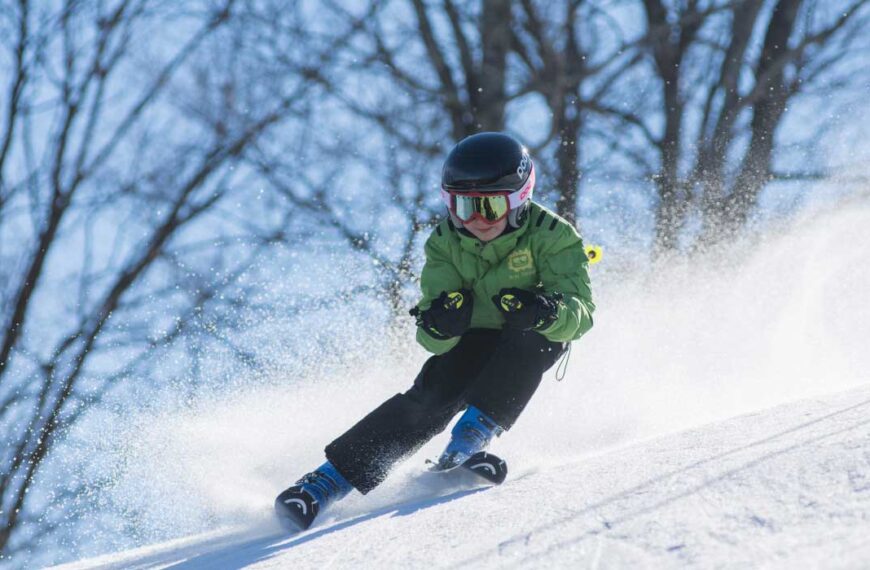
(519, 197)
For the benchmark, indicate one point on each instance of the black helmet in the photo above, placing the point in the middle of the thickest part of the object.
(490, 163)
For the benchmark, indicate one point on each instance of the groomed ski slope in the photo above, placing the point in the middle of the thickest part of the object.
(642, 457)
(787, 487)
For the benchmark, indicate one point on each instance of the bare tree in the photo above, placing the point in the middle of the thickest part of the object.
(118, 241)
(433, 73)
(567, 62)
(738, 65)
(694, 101)
(462, 87)
(473, 90)
(466, 64)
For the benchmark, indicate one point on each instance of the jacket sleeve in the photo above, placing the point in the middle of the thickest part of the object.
(564, 268)
(439, 274)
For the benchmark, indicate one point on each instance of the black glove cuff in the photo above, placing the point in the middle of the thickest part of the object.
(527, 310)
(431, 331)
(548, 311)
(425, 323)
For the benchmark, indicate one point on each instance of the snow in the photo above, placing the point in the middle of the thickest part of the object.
(716, 416)
(785, 487)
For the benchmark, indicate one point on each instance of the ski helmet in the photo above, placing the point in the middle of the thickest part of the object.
(489, 163)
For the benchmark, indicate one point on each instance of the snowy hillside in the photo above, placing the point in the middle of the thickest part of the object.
(608, 468)
(786, 487)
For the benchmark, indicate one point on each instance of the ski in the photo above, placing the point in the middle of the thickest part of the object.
(296, 509)
(487, 466)
(484, 466)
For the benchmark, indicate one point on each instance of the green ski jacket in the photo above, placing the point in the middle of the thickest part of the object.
(545, 254)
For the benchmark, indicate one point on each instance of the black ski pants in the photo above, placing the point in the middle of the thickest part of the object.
(497, 371)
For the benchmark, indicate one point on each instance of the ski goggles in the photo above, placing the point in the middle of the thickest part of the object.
(490, 207)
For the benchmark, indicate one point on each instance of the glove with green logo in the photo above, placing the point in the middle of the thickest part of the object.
(526, 310)
(448, 316)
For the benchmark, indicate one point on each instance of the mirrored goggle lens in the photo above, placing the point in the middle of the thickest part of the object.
(490, 208)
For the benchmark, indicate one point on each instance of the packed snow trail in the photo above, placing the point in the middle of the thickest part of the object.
(786, 487)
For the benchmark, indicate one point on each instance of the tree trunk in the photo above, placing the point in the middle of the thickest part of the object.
(495, 35)
(567, 159)
(730, 214)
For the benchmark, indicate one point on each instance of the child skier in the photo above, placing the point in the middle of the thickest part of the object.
(505, 288)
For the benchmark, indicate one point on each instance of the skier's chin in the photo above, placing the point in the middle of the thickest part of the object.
(484, 231)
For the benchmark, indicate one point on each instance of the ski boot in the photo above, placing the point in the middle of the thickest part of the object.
(298, 506)
(471, 435)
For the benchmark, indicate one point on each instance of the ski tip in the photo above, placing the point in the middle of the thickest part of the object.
(296, 510)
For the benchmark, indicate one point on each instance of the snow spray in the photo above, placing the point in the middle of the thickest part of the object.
(672, 347)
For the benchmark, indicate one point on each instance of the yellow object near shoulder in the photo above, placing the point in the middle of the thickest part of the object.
(593, 253)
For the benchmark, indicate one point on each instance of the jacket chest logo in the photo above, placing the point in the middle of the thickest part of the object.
(520, 261)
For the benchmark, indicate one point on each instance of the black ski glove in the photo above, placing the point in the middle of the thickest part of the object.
(526, 310)
(449, 315)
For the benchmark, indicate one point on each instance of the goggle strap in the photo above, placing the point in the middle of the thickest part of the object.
(445, 196)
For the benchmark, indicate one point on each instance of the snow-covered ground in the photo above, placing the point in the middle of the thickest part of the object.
(786, 487)
(716, 416)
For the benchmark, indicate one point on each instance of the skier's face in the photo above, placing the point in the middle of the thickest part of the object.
(484, 231)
